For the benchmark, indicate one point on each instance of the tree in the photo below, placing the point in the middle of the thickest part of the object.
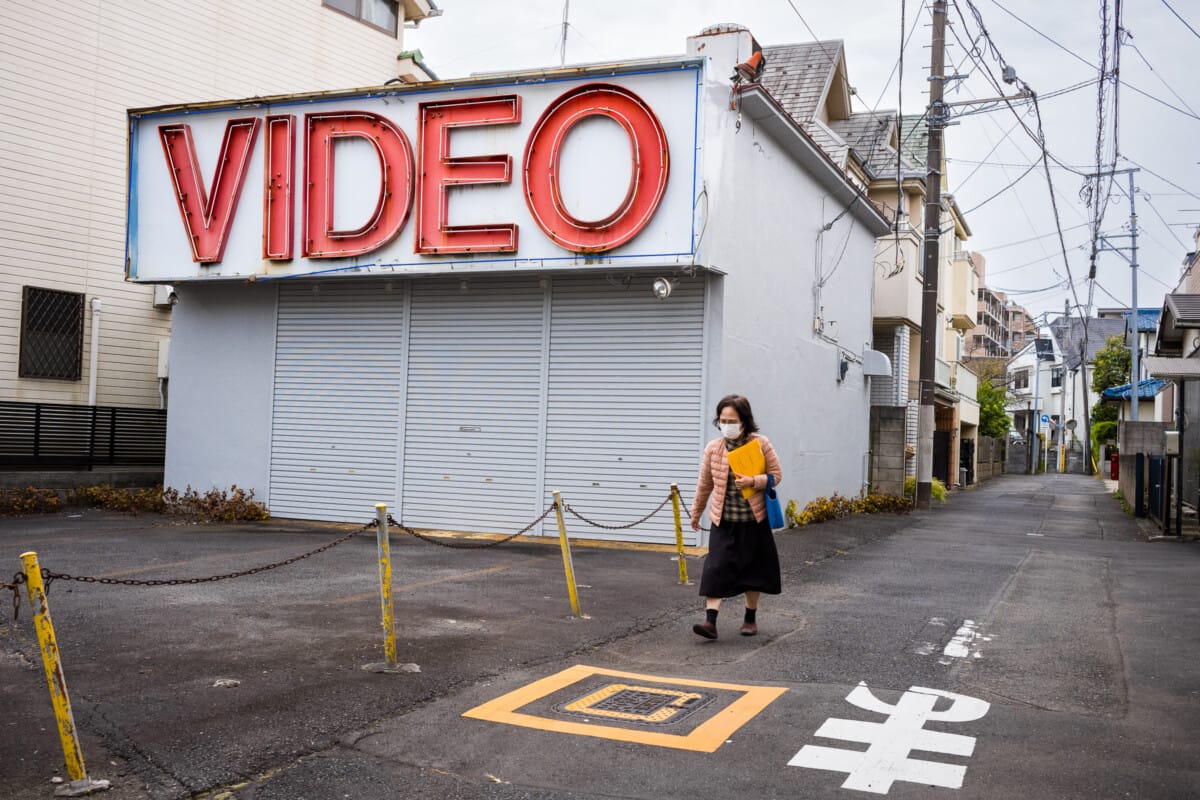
(993, 421)
(1112, 365)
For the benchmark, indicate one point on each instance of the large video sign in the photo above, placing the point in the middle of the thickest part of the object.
(524, 175)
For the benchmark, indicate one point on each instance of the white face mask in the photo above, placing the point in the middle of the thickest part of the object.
(730, 430)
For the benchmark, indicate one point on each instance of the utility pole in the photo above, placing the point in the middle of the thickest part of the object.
(1134, 370)
(936, 118)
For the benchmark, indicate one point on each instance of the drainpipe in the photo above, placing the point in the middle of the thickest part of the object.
(93, 364)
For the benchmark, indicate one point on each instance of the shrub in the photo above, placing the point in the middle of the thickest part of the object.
(215, 505)
(827, 508)
(28, 500)
(938, 489)
(110, 498)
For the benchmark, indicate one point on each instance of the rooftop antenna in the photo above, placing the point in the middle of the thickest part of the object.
(565, 24)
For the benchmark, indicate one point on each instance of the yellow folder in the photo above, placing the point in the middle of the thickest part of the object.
(748, 460)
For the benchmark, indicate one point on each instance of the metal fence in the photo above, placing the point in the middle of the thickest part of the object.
(57, 435)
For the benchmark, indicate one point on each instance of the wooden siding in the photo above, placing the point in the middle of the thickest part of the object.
(70, 72)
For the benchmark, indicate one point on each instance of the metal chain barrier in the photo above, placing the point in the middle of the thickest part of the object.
(472, 545)
(15, 586)
(594, 524)
(687, 508)
(49, 577)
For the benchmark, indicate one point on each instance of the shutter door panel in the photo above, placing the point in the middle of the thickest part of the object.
(624, 395)
(338, 375)
(474, 394)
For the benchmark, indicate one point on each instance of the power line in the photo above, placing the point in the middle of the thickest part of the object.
(1181, 19)
(1160, 177)
(1090, 64)
(1010, 185)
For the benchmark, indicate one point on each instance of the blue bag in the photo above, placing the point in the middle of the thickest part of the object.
(774, 512)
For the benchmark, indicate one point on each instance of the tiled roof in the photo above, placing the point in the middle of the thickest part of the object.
(914, 139)
(1185, 308)
(1147, 319)
(870, 134)
(1146, 390)
(1070, 337)
(797, 74)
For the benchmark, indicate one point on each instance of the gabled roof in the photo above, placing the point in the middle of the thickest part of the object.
(1147, 390)
(1180, 312)
(802, 77)
(914, 139)
(799, 74)
(1070, 336)
(870, 134)
(1147, 319)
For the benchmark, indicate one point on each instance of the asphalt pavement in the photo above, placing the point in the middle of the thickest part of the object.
(1021, 640)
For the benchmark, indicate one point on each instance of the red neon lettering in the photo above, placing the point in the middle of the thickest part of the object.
(395, 190)
(206, 218)
(440, 171)
(648, 152)
(279, 203)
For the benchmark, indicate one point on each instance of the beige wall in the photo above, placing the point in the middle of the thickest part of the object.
(70, 72)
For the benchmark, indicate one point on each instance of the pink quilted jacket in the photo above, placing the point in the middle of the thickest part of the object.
(714, 478)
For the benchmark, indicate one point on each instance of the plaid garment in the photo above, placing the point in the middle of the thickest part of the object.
(737, 508)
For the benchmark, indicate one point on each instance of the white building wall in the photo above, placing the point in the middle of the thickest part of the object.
(70, 72)
(223, 368)
(764, 215)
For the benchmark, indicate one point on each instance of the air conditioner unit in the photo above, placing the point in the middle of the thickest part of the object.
(164, 295)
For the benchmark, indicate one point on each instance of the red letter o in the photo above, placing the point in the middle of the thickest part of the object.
(648, 152)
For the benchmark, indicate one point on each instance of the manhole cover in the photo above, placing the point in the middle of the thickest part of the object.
(644, 705)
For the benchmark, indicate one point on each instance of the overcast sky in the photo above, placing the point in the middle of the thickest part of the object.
(1161, 58)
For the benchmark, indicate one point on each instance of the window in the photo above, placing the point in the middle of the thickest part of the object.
(51, 334)
(1021, 379)
(381, 14)
(1056, 377)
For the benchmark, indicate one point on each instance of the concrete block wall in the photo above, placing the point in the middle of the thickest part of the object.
(887, 449)
(1134, 438)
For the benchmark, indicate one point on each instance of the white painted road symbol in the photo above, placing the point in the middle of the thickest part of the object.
(886, 760)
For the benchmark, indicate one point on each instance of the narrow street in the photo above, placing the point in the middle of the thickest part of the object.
(1019, 641)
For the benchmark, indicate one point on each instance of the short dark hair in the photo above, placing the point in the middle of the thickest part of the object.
(742, 406)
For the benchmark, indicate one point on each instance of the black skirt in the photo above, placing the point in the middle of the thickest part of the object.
(741, 558)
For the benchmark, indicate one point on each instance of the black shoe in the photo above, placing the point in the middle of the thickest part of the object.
(706, 629)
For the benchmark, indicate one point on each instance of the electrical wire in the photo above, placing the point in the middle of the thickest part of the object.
(1160, 177)
(1090, 64)
(1181, 19)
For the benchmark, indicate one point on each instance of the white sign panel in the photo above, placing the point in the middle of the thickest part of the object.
(543, 174)
(886, 760)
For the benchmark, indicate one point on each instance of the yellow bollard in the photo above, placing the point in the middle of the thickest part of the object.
(566, 554)
(73, 755)
(385, 598)
(683, 576)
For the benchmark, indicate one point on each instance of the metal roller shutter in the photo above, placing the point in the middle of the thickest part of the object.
(475, 377)
(338, 381)
(624, 416)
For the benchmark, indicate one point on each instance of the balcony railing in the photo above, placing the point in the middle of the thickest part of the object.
(941, 374)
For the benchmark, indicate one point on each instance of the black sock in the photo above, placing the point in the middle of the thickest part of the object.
(750, 612)
(710, 615)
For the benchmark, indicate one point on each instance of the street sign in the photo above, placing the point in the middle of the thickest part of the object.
(1045, 418)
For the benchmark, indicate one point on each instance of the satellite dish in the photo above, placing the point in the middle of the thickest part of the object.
(1071, 424)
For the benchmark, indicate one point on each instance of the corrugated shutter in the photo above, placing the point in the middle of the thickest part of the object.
(475, 376)
(338, 381)
(624, 401)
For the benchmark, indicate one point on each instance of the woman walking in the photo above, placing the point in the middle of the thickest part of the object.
(741, 548)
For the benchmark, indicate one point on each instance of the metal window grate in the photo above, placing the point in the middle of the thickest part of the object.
(51, 334)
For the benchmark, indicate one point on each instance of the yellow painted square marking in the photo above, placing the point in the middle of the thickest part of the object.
(704, 738)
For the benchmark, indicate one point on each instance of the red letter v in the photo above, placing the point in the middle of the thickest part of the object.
(207, 218)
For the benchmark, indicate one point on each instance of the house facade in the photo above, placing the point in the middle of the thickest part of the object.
(73, 330)
(411, 328)
(885, 156)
